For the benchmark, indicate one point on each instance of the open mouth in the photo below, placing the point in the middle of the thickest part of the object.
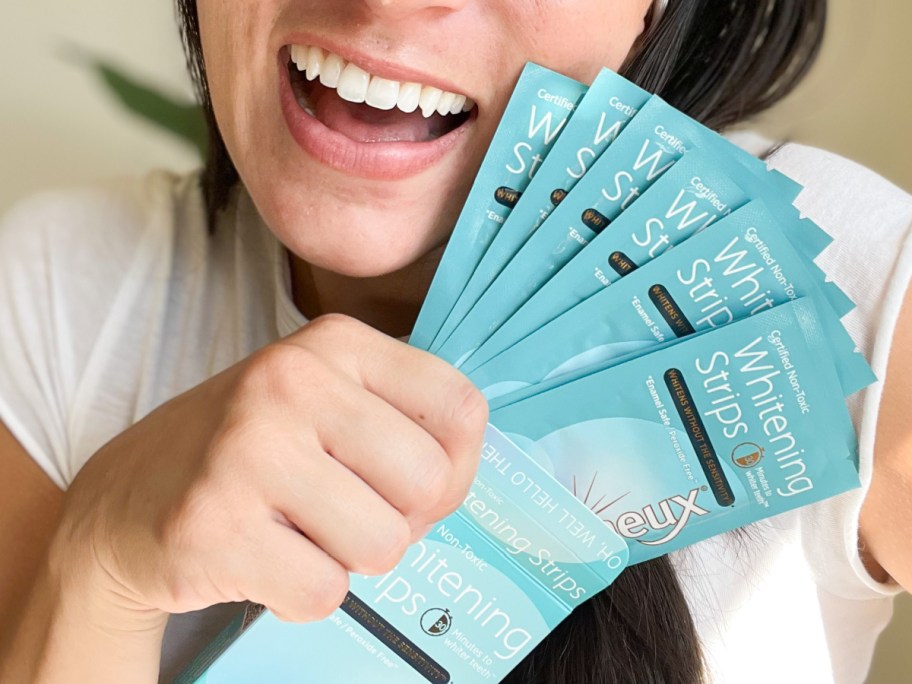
(369, 109)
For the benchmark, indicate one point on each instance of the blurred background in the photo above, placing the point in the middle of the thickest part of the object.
(61, 125)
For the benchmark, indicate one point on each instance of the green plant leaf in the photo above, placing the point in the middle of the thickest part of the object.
(182, 118)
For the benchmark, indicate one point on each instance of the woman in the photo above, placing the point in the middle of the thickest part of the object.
(270, 468)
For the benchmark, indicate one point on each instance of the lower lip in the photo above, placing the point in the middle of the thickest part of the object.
(389, 161)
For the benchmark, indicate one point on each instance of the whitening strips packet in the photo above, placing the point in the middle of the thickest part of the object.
(596, 202)
(738, 267)
(699, 190)
(466, 604)
(640, 155)
(541, 105)
(709, 434)
(610, 104)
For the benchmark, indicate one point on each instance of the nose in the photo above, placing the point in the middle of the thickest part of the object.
(402, 8)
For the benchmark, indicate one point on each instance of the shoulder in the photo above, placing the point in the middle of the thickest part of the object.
(838, 190)
(77, 268)
(870, 220)
(66, 253)
(113, 214)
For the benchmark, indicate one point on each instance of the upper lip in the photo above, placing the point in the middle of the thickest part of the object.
(379, 67)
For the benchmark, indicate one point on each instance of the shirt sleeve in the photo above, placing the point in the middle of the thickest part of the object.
(61, 260)
(871, 260)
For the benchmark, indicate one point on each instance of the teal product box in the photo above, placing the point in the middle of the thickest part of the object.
(540, 107)
(610, 104)
(466, 604)
(704, 436)
(738, 267)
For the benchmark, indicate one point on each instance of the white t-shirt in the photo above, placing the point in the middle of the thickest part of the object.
(114, 300)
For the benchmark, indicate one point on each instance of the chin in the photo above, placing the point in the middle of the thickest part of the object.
(356, 240)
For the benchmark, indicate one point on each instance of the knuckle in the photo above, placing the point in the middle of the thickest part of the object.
(333, 326)
(386, 547)
(469, 410)
(328, 592)
(279, 371)
(430, 482)
(453, 499)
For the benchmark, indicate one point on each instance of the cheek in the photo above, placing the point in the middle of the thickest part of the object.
(579, 37)
(239, 69)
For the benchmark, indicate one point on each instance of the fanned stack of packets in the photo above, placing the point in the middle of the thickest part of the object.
(637, 297)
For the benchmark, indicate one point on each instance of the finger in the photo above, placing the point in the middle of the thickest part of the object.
(423, 387)
(399, 459)
(292, 576)
(338, 512)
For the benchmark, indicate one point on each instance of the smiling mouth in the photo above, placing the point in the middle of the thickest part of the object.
(367, 108)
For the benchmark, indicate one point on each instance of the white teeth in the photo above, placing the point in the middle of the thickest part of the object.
(382, 93)
(315, 59)
(353, 84)
(299, 56)
(458, 104)
(430, 98)
(409, 95)
(356, 85)
(446, 103)
(331, 70)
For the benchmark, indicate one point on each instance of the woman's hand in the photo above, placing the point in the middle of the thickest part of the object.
(326, 453)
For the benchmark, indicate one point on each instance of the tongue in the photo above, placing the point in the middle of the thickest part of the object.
(366, 124)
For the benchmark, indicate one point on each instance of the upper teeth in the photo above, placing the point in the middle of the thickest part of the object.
(356, 85)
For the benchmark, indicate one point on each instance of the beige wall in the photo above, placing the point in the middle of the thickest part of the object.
(57, 126)
(858, 99)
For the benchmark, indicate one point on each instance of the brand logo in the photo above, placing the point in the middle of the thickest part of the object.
(747, 455)
(436, 621)
(637, 524)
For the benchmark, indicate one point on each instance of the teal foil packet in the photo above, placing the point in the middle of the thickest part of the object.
(540, 107)
(648, 147)
(691, 196)
(699, 190)
(467, 603)
(600, 198)
(739, 267)
(610, 104)
(711, 433)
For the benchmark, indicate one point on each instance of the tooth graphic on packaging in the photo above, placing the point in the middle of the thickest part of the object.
(536, 115)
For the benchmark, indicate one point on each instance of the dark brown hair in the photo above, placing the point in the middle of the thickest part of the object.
(721, 62)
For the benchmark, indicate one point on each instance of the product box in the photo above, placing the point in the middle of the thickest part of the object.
(466, 604)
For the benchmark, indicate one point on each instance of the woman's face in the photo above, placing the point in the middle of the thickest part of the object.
(364, 190)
